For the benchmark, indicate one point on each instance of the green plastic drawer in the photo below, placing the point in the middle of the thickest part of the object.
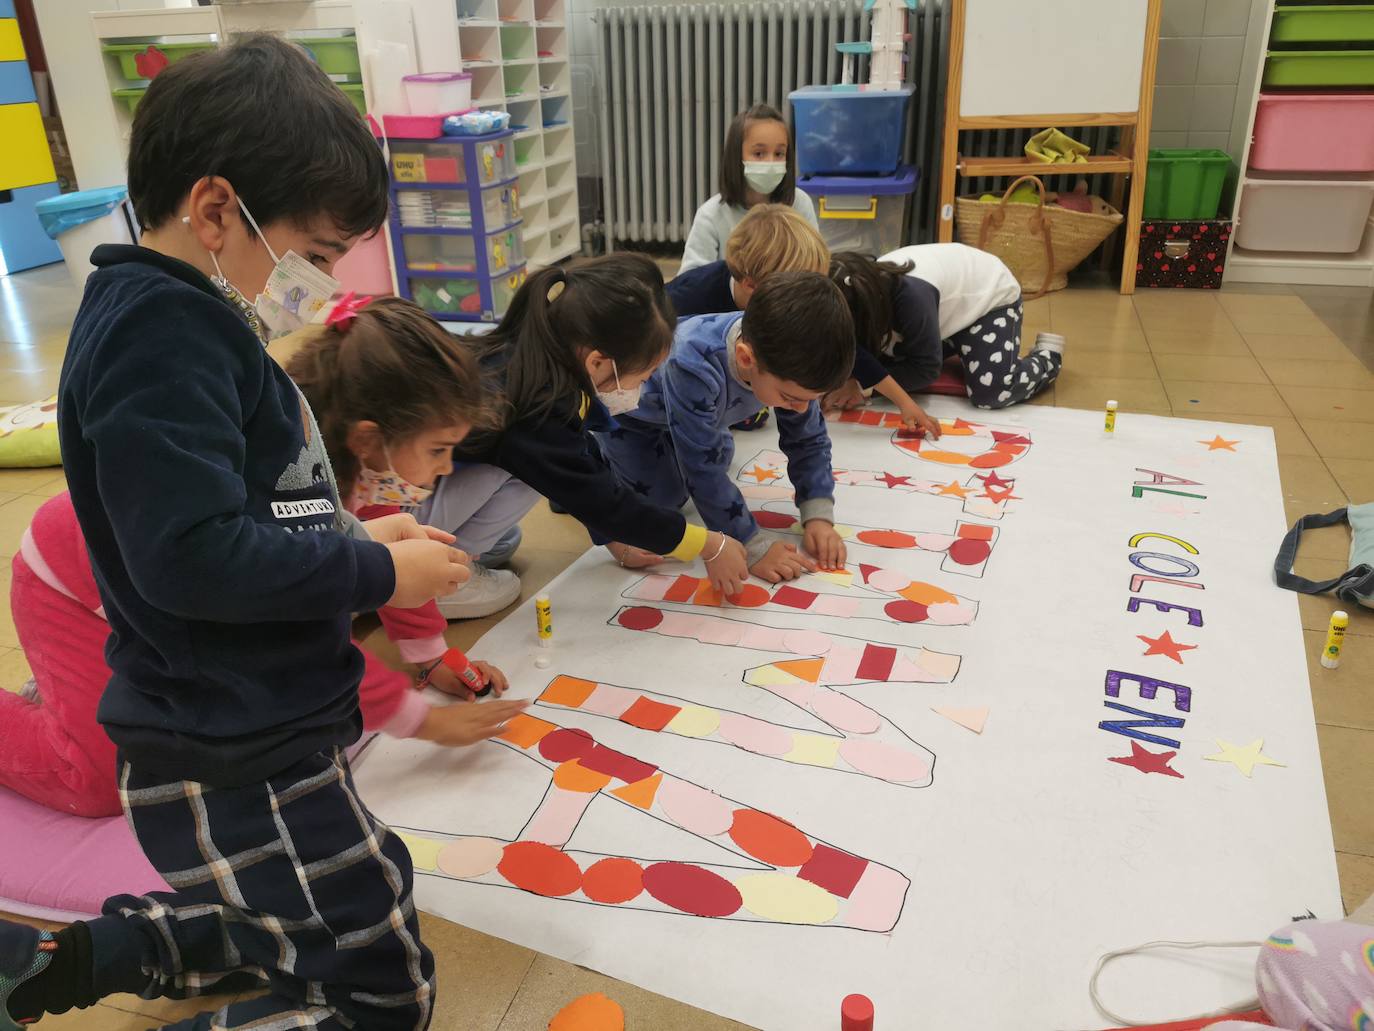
(336, 55)
(127, 54)
(1323, 23)
(1319, 68)
(130, 96)
(354, 92)
(1185, 183)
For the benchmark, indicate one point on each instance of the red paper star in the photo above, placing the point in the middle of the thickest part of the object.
(1147, 761)
(894, 481)
(1218, 443)
(1164, 644)
(993, 480)
(1000, 494)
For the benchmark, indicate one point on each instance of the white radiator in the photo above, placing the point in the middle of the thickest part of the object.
(675, 74)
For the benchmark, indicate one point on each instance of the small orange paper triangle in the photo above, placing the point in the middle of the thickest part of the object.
(803, 669)
(641, 793)
(969, 719)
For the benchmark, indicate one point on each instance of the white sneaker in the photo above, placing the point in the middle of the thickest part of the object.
(489, 590)
(1049, 342)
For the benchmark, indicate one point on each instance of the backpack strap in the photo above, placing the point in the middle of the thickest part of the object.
(1288, 553)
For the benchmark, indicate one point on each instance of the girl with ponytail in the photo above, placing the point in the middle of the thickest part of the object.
(571, 353)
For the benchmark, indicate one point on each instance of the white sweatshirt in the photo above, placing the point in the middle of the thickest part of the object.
(714, 222)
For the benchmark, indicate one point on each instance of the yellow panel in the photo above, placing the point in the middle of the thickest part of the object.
(11, 46)
(26, 160)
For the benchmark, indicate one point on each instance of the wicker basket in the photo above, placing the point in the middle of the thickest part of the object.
(1041, 245)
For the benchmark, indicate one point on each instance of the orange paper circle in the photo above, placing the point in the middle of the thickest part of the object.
(769, 839)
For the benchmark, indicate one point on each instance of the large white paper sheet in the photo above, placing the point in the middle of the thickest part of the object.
(779, 766)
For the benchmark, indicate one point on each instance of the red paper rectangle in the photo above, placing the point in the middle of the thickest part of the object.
(647, 714)
(876, 662)
(617, 764)
(870, 418)
(793, 597)
(835, 871)
(975, 532)
(683, 589)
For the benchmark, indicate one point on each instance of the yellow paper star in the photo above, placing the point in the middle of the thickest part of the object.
(953, 487)
(761, 474)
(1245, 759)
(1219, 443)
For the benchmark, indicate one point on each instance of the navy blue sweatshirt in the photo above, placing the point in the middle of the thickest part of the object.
(207, 507)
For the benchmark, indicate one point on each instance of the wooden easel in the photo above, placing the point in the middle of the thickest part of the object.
(1043, 101)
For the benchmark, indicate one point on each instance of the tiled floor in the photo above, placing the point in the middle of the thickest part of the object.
(1286, 359)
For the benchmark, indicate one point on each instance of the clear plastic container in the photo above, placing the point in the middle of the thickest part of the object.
(438, 93)
(449, 209)
(1303, 215)
(453, 252)
(461, 299)
(862, 214)
(849, 130)
(1314, 132)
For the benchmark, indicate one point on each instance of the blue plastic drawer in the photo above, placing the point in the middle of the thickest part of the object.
(845, 130)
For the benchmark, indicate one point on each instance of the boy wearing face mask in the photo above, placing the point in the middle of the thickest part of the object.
(757, 167)
(794, 344)
(212, 520)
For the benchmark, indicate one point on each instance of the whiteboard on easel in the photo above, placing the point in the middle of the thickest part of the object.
(1059, 57)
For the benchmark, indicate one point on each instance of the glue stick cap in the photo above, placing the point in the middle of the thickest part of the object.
(1111, 406)
(856, 1013)
(1340, 618)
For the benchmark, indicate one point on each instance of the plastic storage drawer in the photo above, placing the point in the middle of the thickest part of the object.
(428, 161)
(1185, 184)
(1303, 215)
(438, 251)
(128, 55)
(336, 55)
(449, 209)
(862, 213)
(1314, 132)
(845, 130)
(1319, 68)
(462, 298)
(1322, 23)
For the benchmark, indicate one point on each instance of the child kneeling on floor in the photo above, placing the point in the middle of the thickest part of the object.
(916, 306)
(794, 344)
(207, 503)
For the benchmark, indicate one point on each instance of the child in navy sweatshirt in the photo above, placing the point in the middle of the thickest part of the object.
(208, 505)
(793, 345)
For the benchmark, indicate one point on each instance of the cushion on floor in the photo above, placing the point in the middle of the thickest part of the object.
(28, 435)
(950, 381)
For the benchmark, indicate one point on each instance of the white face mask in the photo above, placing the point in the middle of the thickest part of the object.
(764, 176)
(619, 401)
(387, 488)
(295, 291)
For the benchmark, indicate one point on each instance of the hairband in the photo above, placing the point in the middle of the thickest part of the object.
(345, 311)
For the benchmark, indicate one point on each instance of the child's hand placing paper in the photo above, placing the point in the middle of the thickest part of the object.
(823, 543)
(914, 417)
(781, 562)
(851, 395)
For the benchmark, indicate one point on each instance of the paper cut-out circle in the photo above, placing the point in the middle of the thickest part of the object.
(470, 857)
(950, 613)
(807, 642)
(539, 868)
(691, 889)
(613, 881)
(904, 611)
(589, 1013)
(934, 541)
(750, 596)
(694, 721)
(573, 776)
(754, 735)
(695, 809)
(883, 761)
(969, 552)
(566, 743)
(769, 839)
(640, 617)
(843, 713)
(887, 580)
(887, 538)
(774, 520)
(788, 899)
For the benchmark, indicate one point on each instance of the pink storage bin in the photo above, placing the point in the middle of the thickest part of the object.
(417, 127)
(1314, 132)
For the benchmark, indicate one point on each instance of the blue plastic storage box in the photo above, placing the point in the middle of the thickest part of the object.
(849, 130)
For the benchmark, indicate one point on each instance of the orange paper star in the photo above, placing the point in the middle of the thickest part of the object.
(1164, 644)
(953, 487)
(761, 474)
(1218, 443)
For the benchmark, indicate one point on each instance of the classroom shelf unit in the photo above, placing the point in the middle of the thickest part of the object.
(456, 226)
(1306, 185)
(518, 54)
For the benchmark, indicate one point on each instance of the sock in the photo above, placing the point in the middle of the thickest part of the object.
(1051, 342)
(65, 982)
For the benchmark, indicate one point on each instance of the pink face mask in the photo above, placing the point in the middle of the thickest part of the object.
(387, 488)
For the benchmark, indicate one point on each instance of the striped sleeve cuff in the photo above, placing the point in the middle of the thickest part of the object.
(408, 717)
(423, 650)
(692, 544)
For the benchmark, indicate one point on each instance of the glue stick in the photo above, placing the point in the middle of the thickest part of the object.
(856, 1013)
(1335, 637)
(467, 672)
(543, 620)
(1109, 424)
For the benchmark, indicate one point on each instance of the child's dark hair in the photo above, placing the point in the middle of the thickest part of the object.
(800, 330)
(394, 366)
(733, 188)
(261, 114)
(867, 287)
(614, 304)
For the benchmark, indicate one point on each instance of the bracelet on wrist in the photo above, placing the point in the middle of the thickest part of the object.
(720, 550)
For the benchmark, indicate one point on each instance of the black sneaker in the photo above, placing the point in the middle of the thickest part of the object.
(755, 422)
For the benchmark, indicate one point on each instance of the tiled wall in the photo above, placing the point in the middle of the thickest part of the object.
(1201, 46)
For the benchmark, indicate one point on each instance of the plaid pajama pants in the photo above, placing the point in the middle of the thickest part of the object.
(290, 882)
